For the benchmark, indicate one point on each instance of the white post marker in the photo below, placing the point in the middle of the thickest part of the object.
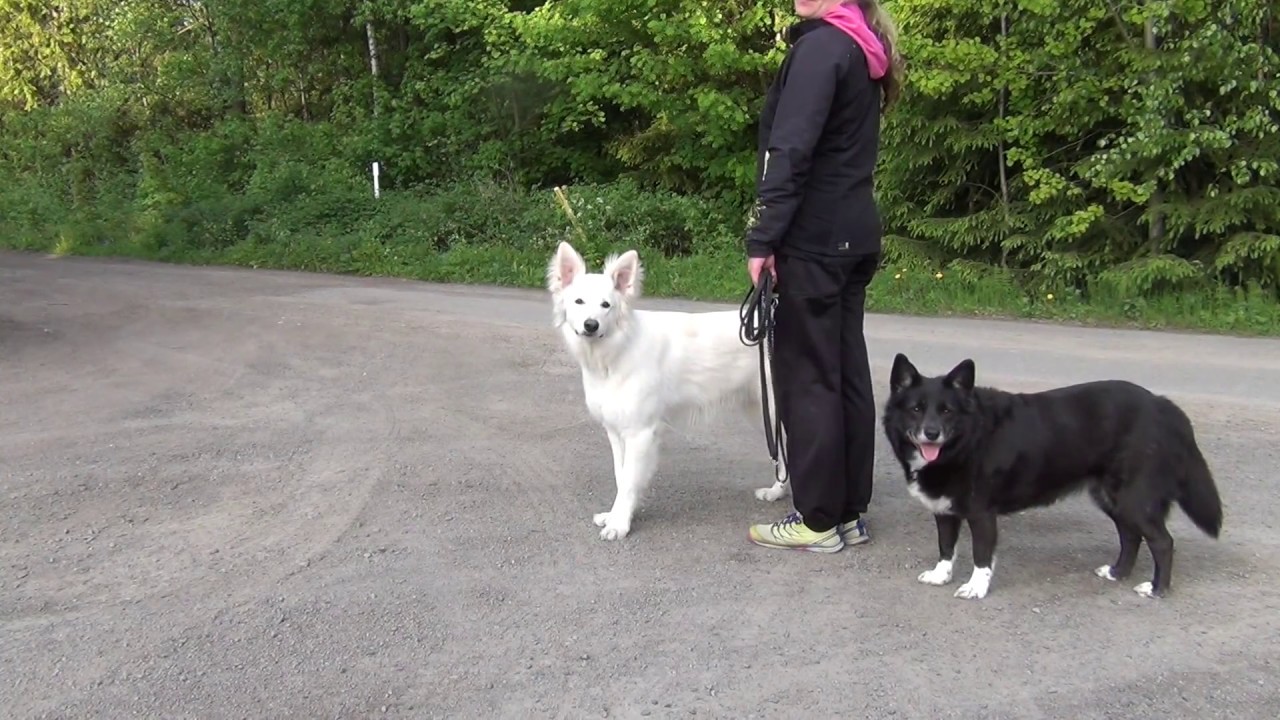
(376, 189)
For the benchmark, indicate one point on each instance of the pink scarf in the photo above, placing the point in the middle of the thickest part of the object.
(849, 18)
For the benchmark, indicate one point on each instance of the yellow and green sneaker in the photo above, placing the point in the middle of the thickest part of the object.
(855, 532)
(792, 534)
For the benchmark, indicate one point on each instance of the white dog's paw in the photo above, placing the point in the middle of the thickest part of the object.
(615, 532)
(611, 530)
(977, 587)
(772, 494)
(939, 575)
(1104, 572)
(1145, 590)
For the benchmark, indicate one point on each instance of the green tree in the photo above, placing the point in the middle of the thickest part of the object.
(1075, 140)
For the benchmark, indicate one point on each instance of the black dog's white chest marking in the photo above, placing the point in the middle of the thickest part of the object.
(937, 506)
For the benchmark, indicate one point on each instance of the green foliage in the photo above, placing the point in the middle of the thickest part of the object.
(1066, 140)
(668, 86)
(450, 235)
(1124, 153)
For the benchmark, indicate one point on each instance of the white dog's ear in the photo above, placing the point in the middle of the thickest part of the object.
(565, 266)
(626, 273)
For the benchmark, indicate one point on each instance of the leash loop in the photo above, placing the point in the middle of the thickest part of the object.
(756, 327)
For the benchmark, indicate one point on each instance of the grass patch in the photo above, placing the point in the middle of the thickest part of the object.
(477, 233)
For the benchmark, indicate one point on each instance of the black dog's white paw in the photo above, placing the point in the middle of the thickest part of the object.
(978, 585)
(1147, 590)
(939, 575)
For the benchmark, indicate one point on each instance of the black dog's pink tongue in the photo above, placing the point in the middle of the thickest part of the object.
(930, 451)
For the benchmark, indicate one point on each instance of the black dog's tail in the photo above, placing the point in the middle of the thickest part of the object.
(1197, 492)
(1199, 497)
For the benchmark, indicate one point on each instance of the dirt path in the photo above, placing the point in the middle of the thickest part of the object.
(230, 493)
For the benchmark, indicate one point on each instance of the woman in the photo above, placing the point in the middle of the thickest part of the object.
(816, 229)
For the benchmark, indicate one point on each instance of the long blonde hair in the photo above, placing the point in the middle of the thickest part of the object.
(883, 24)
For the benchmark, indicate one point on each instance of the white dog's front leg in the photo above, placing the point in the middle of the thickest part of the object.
(779, 488)
(619, 447)
(639, 460)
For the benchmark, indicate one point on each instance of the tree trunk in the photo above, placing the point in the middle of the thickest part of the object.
(373, 62)
(373, 69)
(1155, 231)
(1004, 89)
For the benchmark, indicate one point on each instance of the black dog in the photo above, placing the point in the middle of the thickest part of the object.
(973, 453)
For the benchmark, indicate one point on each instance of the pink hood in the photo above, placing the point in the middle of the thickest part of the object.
(849, 18)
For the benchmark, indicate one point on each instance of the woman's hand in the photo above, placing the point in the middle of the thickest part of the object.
(756, 265)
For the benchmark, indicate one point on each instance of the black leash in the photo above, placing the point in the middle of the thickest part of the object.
(756, 328)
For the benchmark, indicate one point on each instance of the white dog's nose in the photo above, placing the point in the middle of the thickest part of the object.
(590, 325)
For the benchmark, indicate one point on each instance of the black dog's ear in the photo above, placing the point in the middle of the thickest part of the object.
(961, 376)
(903, 375)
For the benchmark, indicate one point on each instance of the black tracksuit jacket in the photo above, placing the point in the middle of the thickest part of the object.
(818, 137)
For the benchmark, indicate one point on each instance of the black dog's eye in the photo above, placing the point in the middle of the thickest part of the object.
(917, 409)
(604, 305)
(578, 301)
(943, 410)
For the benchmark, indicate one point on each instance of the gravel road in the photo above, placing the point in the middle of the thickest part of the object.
(250, 494)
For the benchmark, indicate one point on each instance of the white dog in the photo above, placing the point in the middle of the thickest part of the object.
(643, 370)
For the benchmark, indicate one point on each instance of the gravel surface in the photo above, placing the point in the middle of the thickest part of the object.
(244, 494)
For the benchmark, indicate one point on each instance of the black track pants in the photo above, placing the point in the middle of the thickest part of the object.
(822, 380)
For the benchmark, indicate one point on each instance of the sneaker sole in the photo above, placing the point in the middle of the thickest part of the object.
(803, 548)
